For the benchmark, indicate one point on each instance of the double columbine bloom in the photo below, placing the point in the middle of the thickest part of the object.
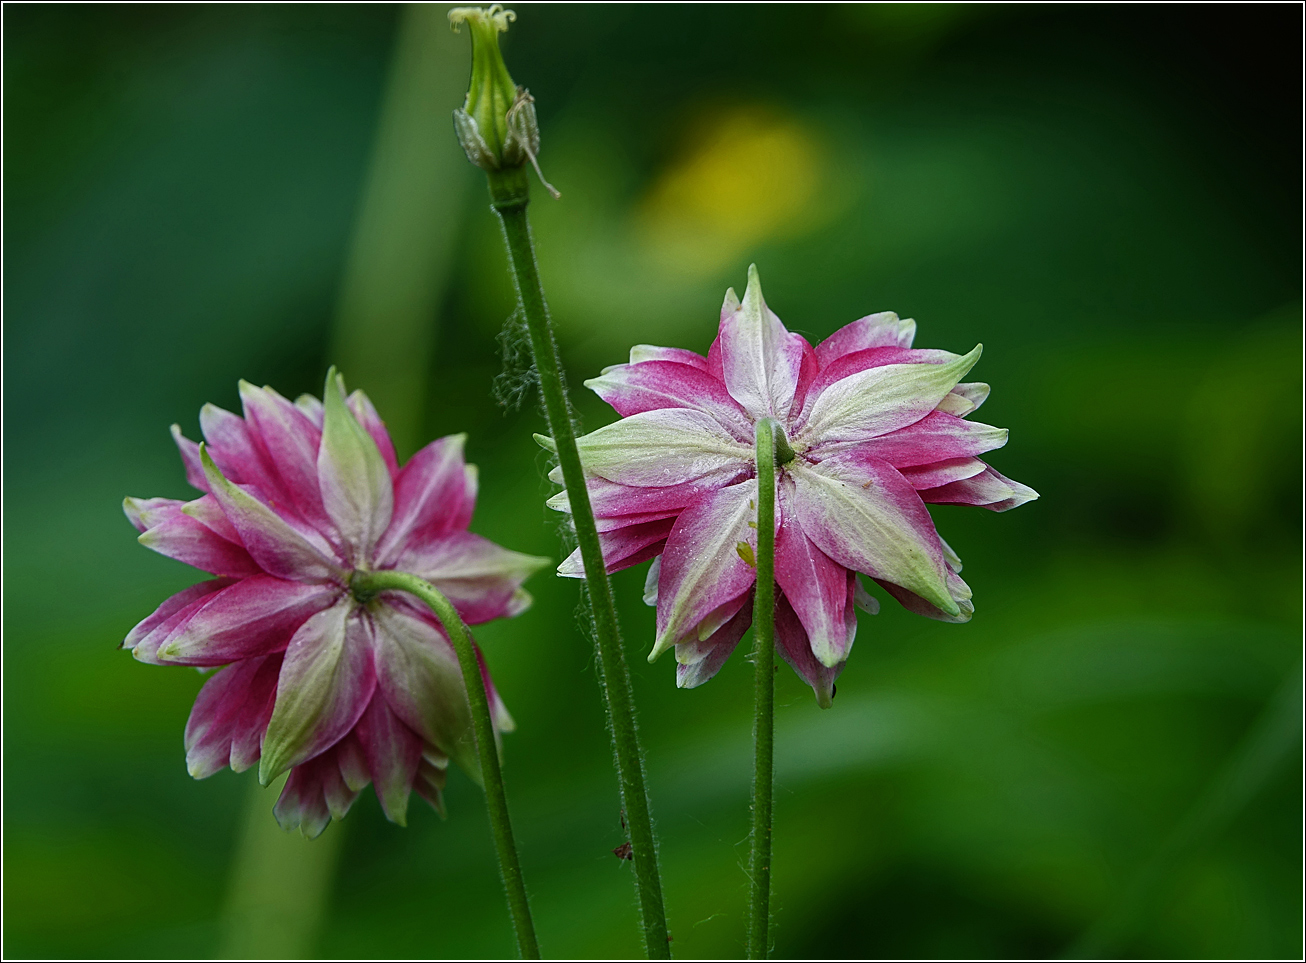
(869, 430)
(337, 685)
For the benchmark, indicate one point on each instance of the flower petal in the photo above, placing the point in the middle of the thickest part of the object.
(858, 361)
(313, 795)
(363, 409)
(867, 517)
(935, 437)
(393, 752)
(942, 472)
(760, 359)
(623, 547)
(234, 705)
(957, 589)
(357, 491)
(883, 330)
(255, 616)
(171, 609)
(179, 535)
(144, 513)
(652, 385)
(479, 577)
(648, 352)
(964, 398)
(881, 399)
(312, 407)
(418, 673)
(291, 441)
(612, 500)
(669, 446)
(792, 643)
(429, 783)
(190, 457)
(434, 494)
(281, 548)
(326, 681)
(815, 585)
(704, 564)
(238, 452)
(697, 661)
(986, 489)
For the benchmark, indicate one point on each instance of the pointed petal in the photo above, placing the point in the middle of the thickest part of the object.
(393, 752)
(647, 352)
(669, 446)
(238, 452)
(859, 361)
(363, 409)
(478, 576)
(434, 494)
(185, 538)
(144, 513)
(792, 644)
(883, 330)
(291, 441)
(935, 437)
(613, 500)
(280, 548)
(356, 488)
(352, 761)
(986, 489)
(697, 661)
(867, 517)
(964, 398)
(651, 582)
(172, 607)
(207, 511)
(760, 359)
(313, 795)
(623, 547)
(190, 457)
(255, 616)
(312, 407)
(881, 399)
(703, 565)
(815, 585)
(326, 681)
(653, 385)
(235, 703)
(429, 784)
(418, 673)
(942, 472)
(957, 589)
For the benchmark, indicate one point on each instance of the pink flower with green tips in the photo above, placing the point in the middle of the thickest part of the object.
(870, 431)
(339, 687)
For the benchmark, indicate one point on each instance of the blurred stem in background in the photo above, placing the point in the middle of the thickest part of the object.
(498, 132)
(759, 863)
(1243, 776)
(385, 329)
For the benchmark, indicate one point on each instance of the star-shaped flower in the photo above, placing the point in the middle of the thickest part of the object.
(870, 431)
(340, 687)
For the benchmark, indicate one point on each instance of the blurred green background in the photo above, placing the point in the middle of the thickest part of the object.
(1105, 760)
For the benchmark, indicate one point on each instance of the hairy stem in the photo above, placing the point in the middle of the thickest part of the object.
(508, 191)
(496, 802)
(759, 866)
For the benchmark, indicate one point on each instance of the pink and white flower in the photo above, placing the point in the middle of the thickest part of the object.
(340, 688)
(878, 429)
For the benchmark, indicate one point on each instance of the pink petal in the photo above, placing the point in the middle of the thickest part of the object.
(941, 472)
(883, 330)
(792, 643)
(357, 490)
(255, 616)
(760, 359)
(188, 540)
(230, 715)
(651, 385)
(702, 565)
(207, 511)
(281, 547)
(144, 513)
(935, 437)
(291, 441)
(418, 673)
(352, 761)
(434, 494)
(612, 500)
(363, 409)
(867, 517)
(190, 457)
(238, 452)
(986, 489)
(654, 449)
(393, 752)
(314, 794)
(964, 398)
(815, 585)
(696, 661)
(850, 364)
(429, 783)
(478, 576)
(311, 407)
(623, 548)
(326, 682)
(647, 352)
(957, 589)
(167, 615)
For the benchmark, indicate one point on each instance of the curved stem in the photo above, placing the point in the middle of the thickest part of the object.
(759, 866)
(508, 191)
(496, 802)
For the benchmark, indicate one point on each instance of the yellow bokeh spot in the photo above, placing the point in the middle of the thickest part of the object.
(750, 175)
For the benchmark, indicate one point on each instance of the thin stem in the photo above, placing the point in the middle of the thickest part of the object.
(508, 191)
(759, 867)
(486, 748)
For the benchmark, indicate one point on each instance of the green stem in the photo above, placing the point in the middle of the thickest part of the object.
(759, 867)
(496, 802)
(509, 194)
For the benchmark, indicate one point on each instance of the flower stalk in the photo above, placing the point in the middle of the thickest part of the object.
(364, 584)
(759, 866)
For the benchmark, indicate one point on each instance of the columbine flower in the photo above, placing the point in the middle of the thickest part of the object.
(341, 688)
(869, 430)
